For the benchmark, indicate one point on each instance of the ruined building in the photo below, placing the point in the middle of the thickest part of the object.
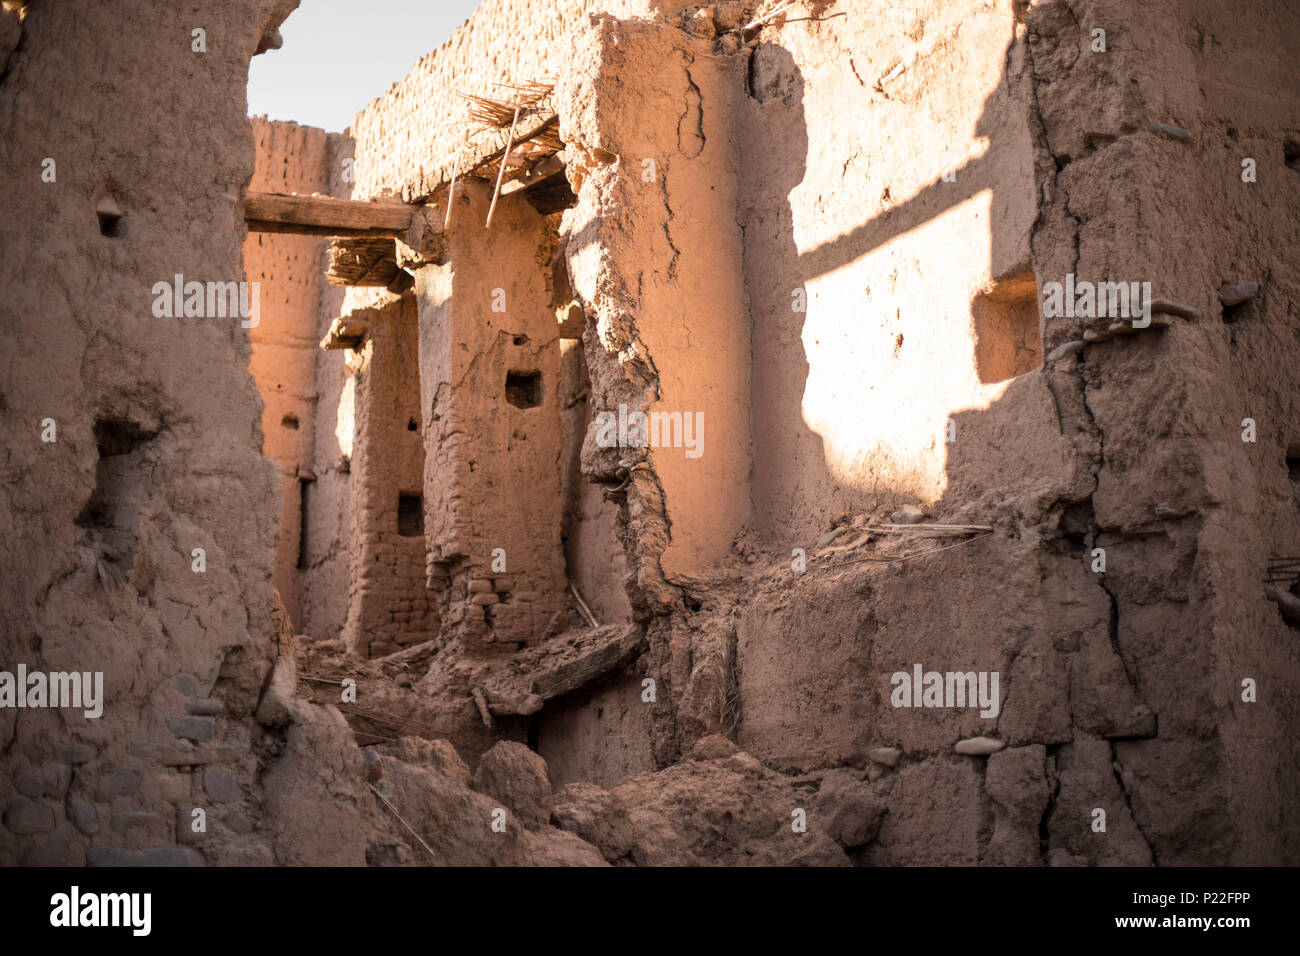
(830, 432)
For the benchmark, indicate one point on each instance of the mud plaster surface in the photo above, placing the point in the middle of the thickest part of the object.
(1120, 691)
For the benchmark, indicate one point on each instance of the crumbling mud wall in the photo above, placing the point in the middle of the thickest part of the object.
(490, 377)
(989, 163)
(833, 240)
(649, 277)
(389, 605)
(515, 493)
(403, 137)
(140, 515)
(1189, 502)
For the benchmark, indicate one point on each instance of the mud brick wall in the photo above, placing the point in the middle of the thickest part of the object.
(989, 166)
(389, 605)
(290, 159)
(420, 122)
(490, 380)
(158, 424)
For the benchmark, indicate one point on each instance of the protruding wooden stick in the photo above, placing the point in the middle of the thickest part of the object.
(582, 606)
(411, 830)
(917, 528)
(480, 701)
(906, 557)
(501, 174)
(1286, 602)
(451, 190)
(765, 17)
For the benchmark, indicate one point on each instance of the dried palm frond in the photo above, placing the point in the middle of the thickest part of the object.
(529, 98)
(494, 113)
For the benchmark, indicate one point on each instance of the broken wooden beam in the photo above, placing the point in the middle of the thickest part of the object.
(563, 665)
(602, 651)
(325, 216)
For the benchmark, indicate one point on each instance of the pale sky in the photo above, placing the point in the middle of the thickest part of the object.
(338, 56)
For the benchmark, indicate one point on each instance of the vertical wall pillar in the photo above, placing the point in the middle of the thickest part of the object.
(490, 374)
(390, 607)
(654, 253)
(289, 158)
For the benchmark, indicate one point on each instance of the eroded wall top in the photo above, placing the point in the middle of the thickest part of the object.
(421, 121)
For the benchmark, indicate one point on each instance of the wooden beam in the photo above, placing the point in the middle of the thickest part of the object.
(541, 170)
(325, 216)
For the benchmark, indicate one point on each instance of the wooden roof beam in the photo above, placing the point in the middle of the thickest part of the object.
(325, 216)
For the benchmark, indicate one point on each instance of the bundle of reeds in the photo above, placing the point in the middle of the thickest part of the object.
(362, 262)
(528, 98)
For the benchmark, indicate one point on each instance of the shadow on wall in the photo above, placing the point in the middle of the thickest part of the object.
(858, 365)
(1153, 636)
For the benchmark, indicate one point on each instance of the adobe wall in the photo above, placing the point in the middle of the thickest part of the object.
(309, 395)
(327, 556)
(1055, 171)
(662, 275)
(490, 377)
(1188, 512)
(141, 535)
(752, 618)
(389, 606)
(600, 735)
(290, 159)
(421, 120)
(854, 223)
(158, 442)
(593, 552)
(532, 503)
